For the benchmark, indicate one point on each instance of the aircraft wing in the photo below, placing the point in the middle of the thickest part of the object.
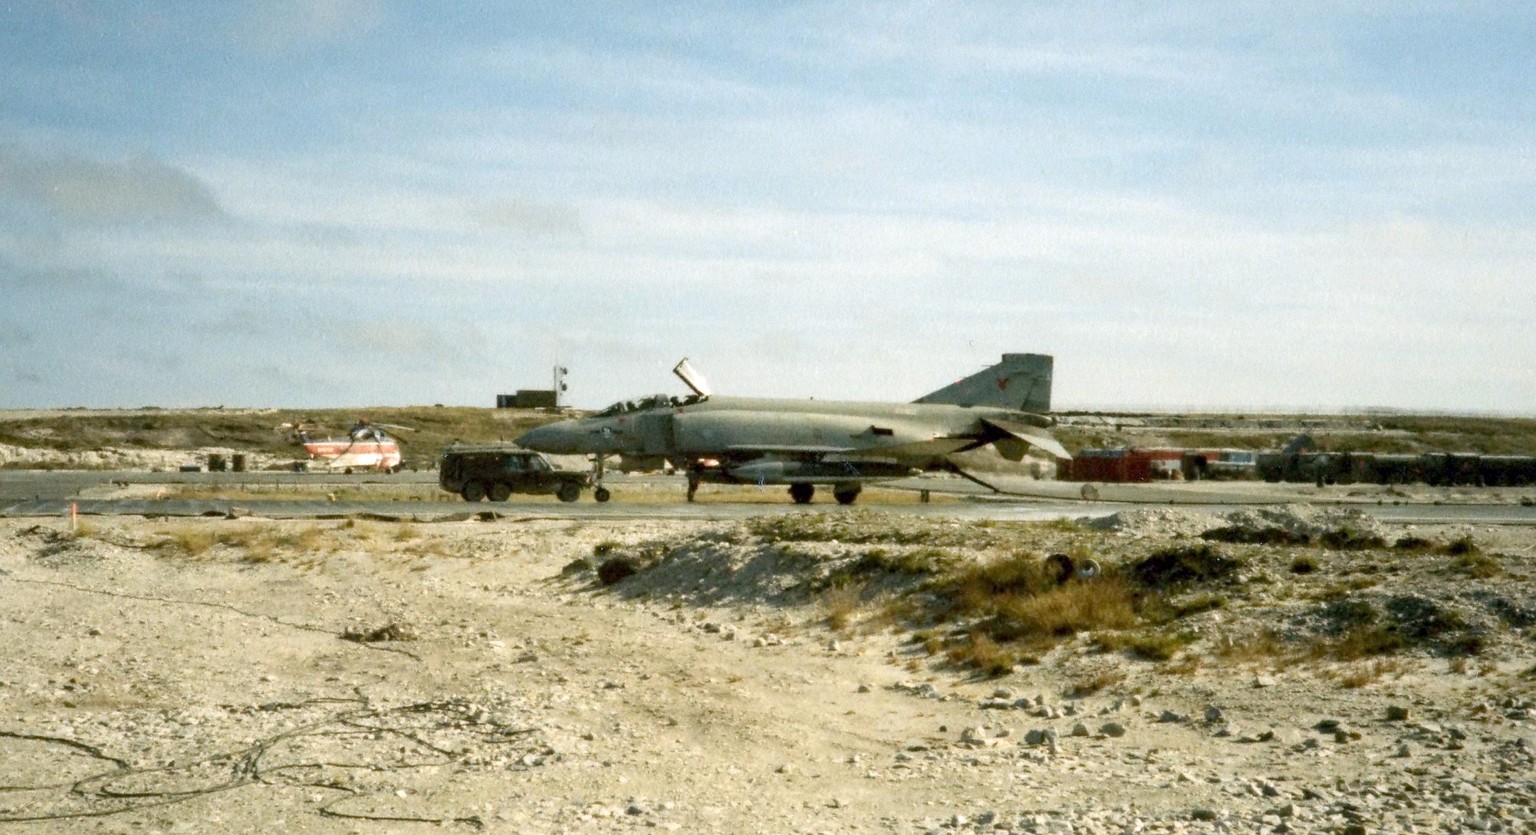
(769, 449)
(1017, 438)
(936, 448)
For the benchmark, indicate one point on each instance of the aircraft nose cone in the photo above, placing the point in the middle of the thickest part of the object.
(551, 439)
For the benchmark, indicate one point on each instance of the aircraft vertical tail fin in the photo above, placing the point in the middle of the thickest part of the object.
(1020, 381)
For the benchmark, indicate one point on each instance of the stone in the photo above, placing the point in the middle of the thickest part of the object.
(974, 736)
(1112, 729)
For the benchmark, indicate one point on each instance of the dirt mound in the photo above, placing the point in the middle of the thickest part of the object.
(1342, 528)
(1187, 564)
(731, 567)
(791, 559)
(117, 458)
(1155, 521)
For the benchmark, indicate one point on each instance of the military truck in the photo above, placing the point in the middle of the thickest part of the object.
(496, 471)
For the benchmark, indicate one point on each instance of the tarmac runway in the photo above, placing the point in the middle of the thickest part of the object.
(53, 493)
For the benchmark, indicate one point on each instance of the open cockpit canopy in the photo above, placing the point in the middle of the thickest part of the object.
(644, 403)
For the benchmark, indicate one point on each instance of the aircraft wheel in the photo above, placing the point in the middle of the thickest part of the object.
(802, 493)
(568, 492)
(602, 494)
(500, 491)
(473, 491)
(847, 495)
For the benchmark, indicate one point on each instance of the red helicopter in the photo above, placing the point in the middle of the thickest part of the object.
(366, 446)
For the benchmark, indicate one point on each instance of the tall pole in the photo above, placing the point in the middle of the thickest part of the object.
(559, 383)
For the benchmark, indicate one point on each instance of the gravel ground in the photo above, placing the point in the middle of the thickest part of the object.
(254, 675)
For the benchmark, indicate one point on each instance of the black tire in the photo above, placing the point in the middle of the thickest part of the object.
(1060, 568)
(568, 492)
(500, 491)
(847, 495)
(802, 493)
(602, 494)
(474, 491)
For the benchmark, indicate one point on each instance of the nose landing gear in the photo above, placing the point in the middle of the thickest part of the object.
(599, 492)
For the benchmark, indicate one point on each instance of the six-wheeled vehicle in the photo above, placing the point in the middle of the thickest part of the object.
(496, 471)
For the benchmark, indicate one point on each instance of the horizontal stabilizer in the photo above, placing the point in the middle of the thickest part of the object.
(1018, 437)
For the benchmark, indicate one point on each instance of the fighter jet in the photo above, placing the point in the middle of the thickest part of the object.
(804, 443)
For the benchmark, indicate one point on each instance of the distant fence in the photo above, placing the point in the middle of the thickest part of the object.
(1439, 468)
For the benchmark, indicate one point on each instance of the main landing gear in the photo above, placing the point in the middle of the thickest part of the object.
(802, 492)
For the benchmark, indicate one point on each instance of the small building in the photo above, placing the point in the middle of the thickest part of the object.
(1115, 465)
(527, 399)
(1126, 465)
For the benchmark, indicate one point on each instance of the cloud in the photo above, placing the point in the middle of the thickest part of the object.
(76, 190)
(281, 26)
(540, 220)
(393, 340)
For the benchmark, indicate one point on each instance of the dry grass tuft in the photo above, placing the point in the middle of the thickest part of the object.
(981, 589)
(1477, 564)
(842, 605)
(980, 652)
(1148, 646)
(1107, 603)
(1360, 675)
(257, 543)
(1095, 683)
(1267, 648)
(190, 540)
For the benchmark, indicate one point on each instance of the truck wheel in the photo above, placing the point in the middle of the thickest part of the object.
(568, 492)
(474, 491)
(500, 491)
(602, 494)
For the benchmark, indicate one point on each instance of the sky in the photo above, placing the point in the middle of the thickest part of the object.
(1190, 205)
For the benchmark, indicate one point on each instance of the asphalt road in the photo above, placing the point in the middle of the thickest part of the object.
(52, 493)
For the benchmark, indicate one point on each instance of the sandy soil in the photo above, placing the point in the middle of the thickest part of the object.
(251, 675)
